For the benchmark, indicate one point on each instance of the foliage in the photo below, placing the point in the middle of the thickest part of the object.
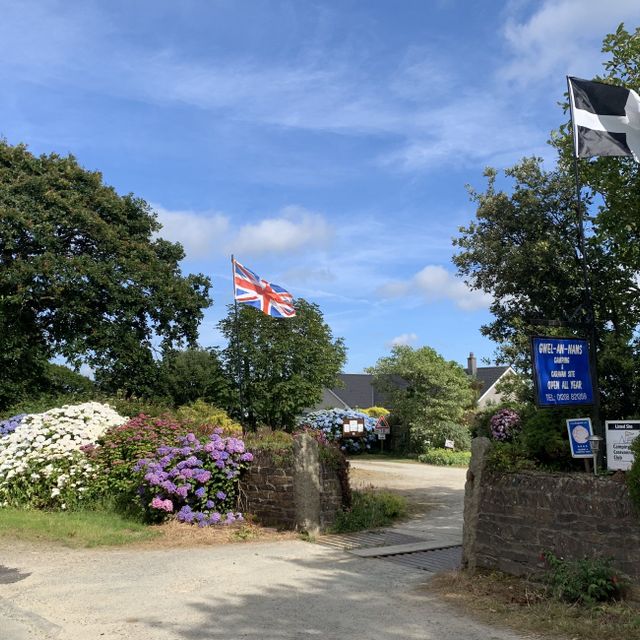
(525, 606)
(521, 236)
(370, 509)
(204, 417)
(545, 438)
(505, 424)
(193, 374)
(586, 581)
(435, 436)
(330, 423)
(423, 389)
(75, 529)
(375, 412)
(265, 439)
(508, 457)
(283, 364)
(41, 462)
(632, 476)
(62, 381)
(446, 458)
(117, 451)
(83, 277)
(197, 482)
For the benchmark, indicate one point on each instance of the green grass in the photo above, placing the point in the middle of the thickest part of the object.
(370, 509)
(73, 529)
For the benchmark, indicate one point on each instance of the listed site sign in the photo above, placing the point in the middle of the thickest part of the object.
(561, 371)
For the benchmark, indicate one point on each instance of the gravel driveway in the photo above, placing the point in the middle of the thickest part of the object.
(272, 591)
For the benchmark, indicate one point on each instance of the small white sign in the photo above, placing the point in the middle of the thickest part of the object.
(620, 435)
(449, 444)
(382, 436)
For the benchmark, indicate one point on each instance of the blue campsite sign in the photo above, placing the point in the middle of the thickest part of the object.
(561, 371)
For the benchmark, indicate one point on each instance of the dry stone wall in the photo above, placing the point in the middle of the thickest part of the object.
(512, 518)
(293, 490)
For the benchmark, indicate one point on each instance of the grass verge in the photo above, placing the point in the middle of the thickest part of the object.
(73, 529)
(370, 509)
(499, 599)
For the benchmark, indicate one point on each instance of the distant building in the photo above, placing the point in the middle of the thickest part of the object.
(488, 378)
(356, 390)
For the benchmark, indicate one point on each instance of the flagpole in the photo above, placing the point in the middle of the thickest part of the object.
(237, 341)
(588, 298)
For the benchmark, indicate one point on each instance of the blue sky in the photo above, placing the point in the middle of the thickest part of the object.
(326, 144)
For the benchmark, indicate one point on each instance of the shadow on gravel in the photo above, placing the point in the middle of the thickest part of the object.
(341, 602)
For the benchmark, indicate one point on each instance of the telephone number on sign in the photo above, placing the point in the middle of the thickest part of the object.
(566, 397)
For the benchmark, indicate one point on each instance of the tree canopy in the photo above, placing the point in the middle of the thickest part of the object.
(279, 366)
(522, 248)
(83, 276)
(423, 389)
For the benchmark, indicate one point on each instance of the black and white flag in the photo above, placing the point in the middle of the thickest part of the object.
(606, 119)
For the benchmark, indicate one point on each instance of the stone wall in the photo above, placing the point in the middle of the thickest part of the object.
(511, 519)
(292, 491)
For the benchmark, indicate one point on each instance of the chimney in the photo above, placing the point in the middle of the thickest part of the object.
(472, 366)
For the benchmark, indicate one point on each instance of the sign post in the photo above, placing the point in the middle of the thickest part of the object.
(382, 430)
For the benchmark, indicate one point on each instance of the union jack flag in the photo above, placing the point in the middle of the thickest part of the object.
(271, 299)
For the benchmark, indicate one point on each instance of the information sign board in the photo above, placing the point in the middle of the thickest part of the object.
(353, 427)
(579, 432)
(561, 371)
(620, 435)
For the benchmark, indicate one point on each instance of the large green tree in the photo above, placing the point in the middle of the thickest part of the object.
(194, 374)
(523, 249)
(83, 276)
(279, 365)
(423, 389)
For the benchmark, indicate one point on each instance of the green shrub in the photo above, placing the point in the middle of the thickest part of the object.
(545, 438)
(433, 435)
(508, 457)
(446, 457)
(279, 444)
(584, 581)
(204, 417)
(633, 475)
(370, 509)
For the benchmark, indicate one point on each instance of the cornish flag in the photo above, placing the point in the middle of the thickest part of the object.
(606, 119)
(270, 298)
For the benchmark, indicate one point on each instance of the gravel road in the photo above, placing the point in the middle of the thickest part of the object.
(273, 591)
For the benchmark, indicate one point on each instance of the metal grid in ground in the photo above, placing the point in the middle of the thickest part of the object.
(366, 540)
(433, 560)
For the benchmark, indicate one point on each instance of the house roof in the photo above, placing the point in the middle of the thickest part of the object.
(488, 376)
(357, 390)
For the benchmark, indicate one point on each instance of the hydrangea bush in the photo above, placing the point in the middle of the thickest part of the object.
(330, 422)
(196, 480)
(504, 424)
(41, 461)
(10, 424)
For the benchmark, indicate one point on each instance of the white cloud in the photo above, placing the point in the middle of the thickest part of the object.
(295, 229)
(201, 234)
(405, 339)
(435, 283)
(557, 39)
